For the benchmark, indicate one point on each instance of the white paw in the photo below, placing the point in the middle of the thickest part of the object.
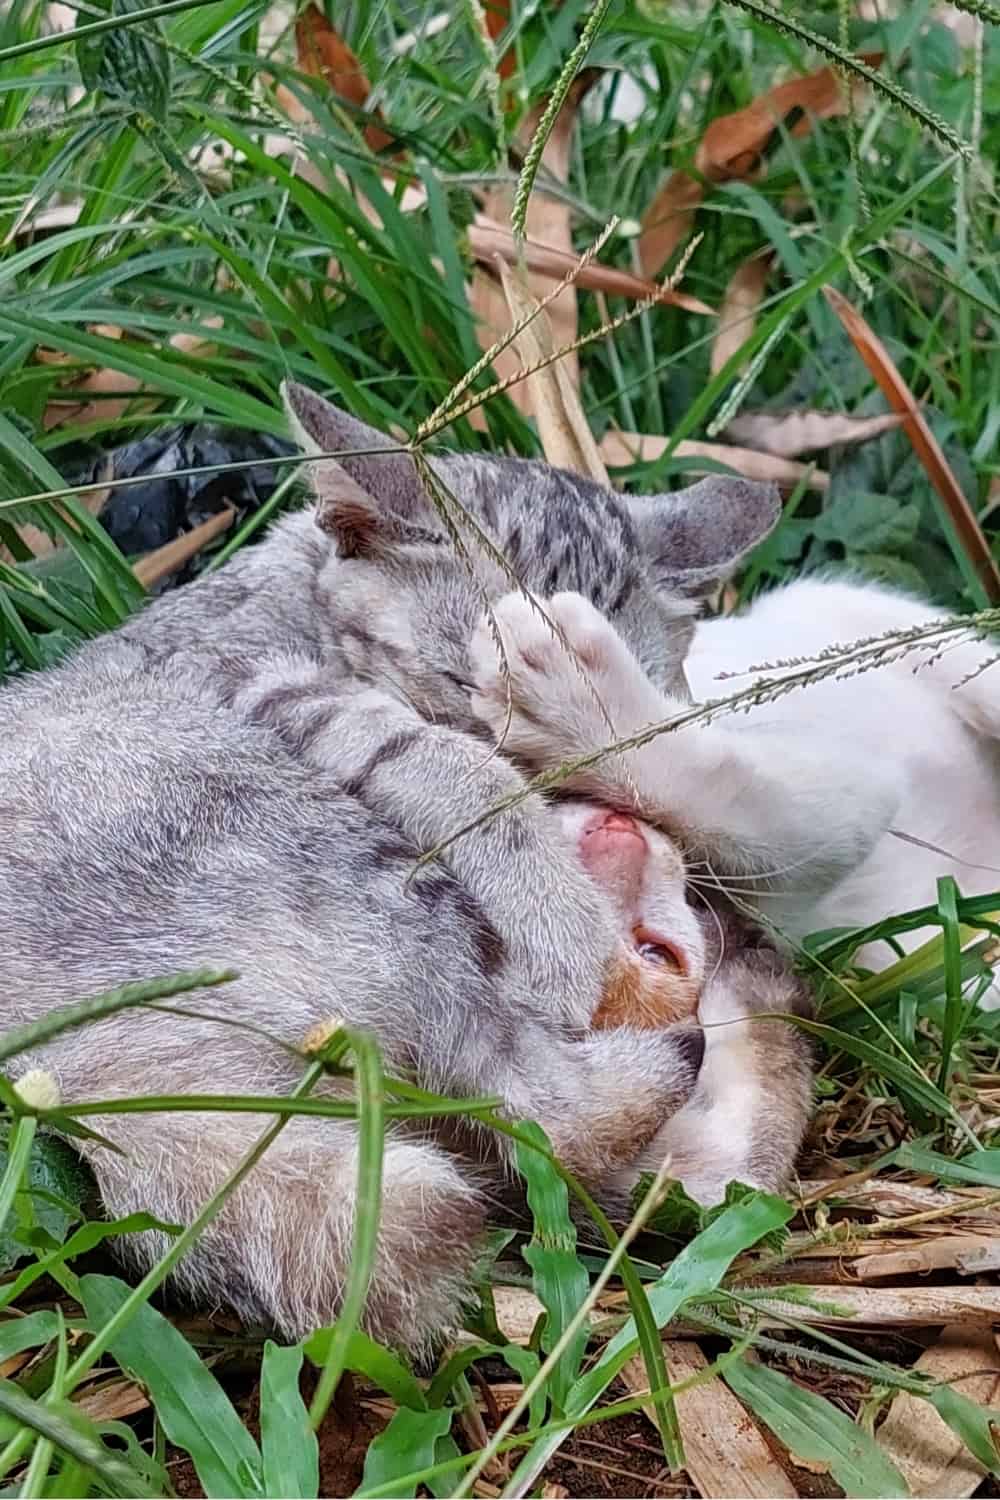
(565, 678)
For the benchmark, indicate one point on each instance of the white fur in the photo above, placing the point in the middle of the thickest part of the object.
(796, 804)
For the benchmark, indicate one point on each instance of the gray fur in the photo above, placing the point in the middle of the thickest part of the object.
(244, 774)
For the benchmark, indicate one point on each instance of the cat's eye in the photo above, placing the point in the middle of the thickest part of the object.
(461, 682)
(653, 950)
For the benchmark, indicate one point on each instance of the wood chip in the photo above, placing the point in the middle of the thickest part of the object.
(725, 1452)
(893, 1307)
(969, 1254)
(621, 448)
(112, 1401)
(173, 555)
(931, 1457)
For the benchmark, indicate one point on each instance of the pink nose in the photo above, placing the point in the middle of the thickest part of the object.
(614, 851)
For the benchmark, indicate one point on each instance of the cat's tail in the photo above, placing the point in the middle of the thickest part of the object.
(279, 1253)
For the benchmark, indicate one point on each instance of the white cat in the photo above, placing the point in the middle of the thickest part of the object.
(797, 804)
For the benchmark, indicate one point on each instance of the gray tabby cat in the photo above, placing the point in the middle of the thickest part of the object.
(245, 773)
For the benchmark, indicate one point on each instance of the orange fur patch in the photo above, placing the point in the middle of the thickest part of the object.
(640, 995)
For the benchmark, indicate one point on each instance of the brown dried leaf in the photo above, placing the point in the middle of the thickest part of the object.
(497, 18)
(733, 146)
(173, 555)
(104, 385)
(788, 433)
(737, 315)
(547, 221)
(487, 240)
(621, 448)
(876, 357)
(322, 53)
(668, 221)
(567, 441)
(724, 1452)
(930, 1456)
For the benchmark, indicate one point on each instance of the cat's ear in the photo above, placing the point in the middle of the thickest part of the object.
(696, 537)
(364, 494)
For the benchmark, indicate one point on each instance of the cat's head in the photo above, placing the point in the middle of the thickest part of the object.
(665, 944)
(405, 599)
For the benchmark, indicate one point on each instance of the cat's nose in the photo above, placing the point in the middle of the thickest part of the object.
(614, 852)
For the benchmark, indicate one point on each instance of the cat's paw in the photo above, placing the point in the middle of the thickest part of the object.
(562, 702)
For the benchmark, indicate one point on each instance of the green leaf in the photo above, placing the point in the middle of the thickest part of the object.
(813, 1429)
(902, 1071)
(976, 1425)
(370, 1088)
(408, 1444)
(696, 1271)
(287, 1442)
(980, 1167)
(71, 1431)
(126, 63)
(863, 522)
(559, 1277)
(378, 1365)
(17, 1334)
(195, 1411)
(84, 1240)
(54, 1173)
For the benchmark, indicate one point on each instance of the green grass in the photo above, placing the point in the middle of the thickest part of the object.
(109, 127)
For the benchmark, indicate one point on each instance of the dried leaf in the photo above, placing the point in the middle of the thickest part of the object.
(548, 222)
(487, 240)
(724, 1452)
(927, 1452)
(877, 359)
(737, 315)
(567, 441)
(497, 14)
(173, 555)
(733, 145)
(322, 53)
(621, 448)
(668, 221)
(788, 433)
(67, 407)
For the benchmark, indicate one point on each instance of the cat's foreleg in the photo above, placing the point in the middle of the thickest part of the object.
(764, 801)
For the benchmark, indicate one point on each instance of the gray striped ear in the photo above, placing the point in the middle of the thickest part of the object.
(694, 538)
(364, 483)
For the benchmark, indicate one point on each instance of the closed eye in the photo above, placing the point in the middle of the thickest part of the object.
(460, 682)
(656, 951)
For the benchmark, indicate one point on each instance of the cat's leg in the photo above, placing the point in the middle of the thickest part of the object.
(280, 1250)
(761, 801)
(747, 1116)
(543, 932)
